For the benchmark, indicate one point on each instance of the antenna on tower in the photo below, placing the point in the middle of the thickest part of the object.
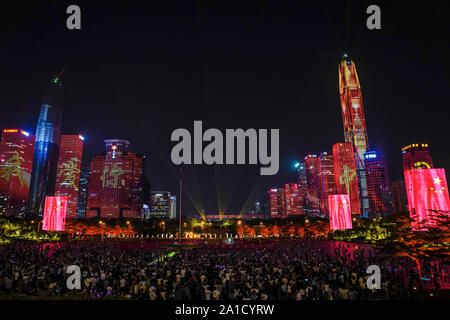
(61, 73)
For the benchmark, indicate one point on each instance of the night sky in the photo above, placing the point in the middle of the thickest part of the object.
(139, 71)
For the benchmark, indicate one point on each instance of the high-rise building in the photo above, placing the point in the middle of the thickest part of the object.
(345, 174)
(16, 162)
(380, 198)
(115, 183)
(277, 203)
(294, 205)
(354, 122)
(68, 174)
(46, 148)
(399, 197)
(327, 183)
(416, 156)
(163, 205)
(82, 193)
(312, 177)
(302, 185)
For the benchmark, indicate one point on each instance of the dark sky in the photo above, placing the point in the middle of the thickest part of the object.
(139, 71)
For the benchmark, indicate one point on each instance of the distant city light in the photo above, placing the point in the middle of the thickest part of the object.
(81, 137)
(25, 133)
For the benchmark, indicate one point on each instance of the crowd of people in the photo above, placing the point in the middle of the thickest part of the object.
(289, 270)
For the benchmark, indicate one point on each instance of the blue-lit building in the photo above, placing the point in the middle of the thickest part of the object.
(46, 149)
(380, 198)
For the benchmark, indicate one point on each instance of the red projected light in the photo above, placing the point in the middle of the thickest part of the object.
(54, 213)
(427, 192)
(340, 213)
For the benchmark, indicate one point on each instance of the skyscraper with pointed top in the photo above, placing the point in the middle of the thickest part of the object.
(354, 123)
(46, 149)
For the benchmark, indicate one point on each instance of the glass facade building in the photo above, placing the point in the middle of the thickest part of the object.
(46, 148)
(312, 178)
(327, 183)
(354, 123)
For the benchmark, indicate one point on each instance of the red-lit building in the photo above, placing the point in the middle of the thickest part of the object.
(380, 198)
(327, 183)
(277, 203)
(68, 173)
(417, 156)
(16, 164)
(354, 122)
(399, 198)
(428, 196)
(115, 182)
(312, 178)
(294, 200)
(345, 174)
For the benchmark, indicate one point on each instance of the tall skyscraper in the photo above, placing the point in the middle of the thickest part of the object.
(68, 174)
(327, 183)
(46, 148)
(293, 198)
(82, 192)
(345, 174)
(277, 203)
(16, 161)
(302, 185)
(312, 177)
(354, 122)
(115, 183)
(416, 156)
(380, 198)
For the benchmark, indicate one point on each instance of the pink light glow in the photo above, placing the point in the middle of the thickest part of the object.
(427, 190)
(55, 213)
(339, 211)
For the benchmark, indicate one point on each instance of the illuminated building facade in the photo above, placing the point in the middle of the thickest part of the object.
(54, 214)
(377, 182)
(277, 203)
(46, 148)
(115, 183)
(163, 205)
(302, 185)
(294, 205)
(339, 212)
(345, 174)
(427, 192)
(312, 177)
(354, 122)
(399, 198)
(417, 156)
(327, 183)
(68, 174)
(16, 163)
(83, 192)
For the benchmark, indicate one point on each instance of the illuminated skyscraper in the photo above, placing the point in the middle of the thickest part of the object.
(293, 198)
(345, 174)
(115, 183)
(46, 148)
(417, 156)
(354, 122)
(277, 203)
(327, 183)
(16, 161)
(312, 177)
(82, 192)
(380, 198)
(68, 174)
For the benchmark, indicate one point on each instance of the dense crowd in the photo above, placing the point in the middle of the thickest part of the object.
(290, 270)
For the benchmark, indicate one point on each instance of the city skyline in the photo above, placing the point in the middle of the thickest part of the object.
(133, 104)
